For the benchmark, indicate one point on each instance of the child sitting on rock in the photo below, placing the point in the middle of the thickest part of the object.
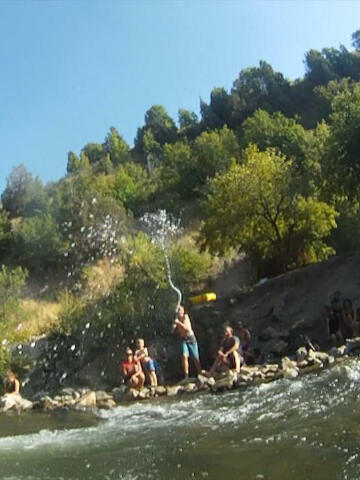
(147, 363)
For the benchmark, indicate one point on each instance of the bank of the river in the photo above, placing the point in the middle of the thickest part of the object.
(305, 361)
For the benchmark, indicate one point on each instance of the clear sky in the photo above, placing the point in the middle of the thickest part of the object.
(71, 69)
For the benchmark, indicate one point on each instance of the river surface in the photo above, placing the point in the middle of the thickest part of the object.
(300, 429)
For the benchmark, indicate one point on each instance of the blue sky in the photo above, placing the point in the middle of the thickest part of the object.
(71, 69)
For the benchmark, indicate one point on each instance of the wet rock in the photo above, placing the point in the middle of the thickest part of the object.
(132, 394)
(302, 364)
(160, 390)
(190, 387)
(47, 403)
(101, 395)
(289, 367)
(106, 404)
(14, 402)
(70, 392)
(174, 390)
(144, 393)
(87, 401)
(120, 394)
(205, 380)
(301, 354)
(225, 383)
(352, 344)
(268, 333)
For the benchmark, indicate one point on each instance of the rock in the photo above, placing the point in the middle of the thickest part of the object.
(120, 394)
(313, 357)
(291, 373)
(352, 344)
(301, 354)
(144, 393)
(102, 396)
(204, 380)
(268, 333)
(174, 390)
(106, 404)
(87, 401)
(47, 403)
(69, 392)
(277, 347)
(287, 364)
(225, 383)
(132, 394)
(190, 387)
(302, 364)
(160, 390)
(15, 402)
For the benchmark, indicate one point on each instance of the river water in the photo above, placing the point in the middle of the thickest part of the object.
(307, 428)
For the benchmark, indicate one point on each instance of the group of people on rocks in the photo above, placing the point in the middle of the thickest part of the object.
(342, 320)
(139, 366)
(235, 350)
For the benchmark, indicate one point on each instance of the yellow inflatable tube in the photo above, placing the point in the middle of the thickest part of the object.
(205, 297)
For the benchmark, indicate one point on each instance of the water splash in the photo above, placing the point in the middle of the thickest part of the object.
(162, 226)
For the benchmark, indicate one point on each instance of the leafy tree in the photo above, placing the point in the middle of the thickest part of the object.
(37, 242)
(94, 152)
(253, 208)
(342, 161)
(116, 147)
(159, 124)
(187, 119)
(214, 152)
(287, 136)
(73, 163)
(132, 185)
(24, 195)
(356, 40)
(5, 233)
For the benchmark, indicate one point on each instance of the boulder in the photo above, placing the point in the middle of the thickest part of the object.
(225, 383)
(101, 395)
(120, 394)
(160, 390)
(301, 354)
(87, 401)
(14, 402)
(190, 387)
(268, 333)
(174, 390)
(106, 404)
(144, 393)
(132, 394)
(47, 403)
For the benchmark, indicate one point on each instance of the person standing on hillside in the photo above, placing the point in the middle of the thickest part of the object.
(182, 325)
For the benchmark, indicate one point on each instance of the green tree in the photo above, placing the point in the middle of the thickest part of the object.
(116, 147)
(159, 124)
(37, 242)
(73, 163)
(214, 152)
(24, 195)
(253, 208)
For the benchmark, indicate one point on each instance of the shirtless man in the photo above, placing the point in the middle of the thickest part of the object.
(182, 326)
(228, 355)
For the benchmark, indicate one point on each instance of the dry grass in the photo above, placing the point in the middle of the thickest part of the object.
(38, 318)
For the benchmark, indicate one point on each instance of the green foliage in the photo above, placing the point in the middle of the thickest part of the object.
(253, 207)
(132, 185)
(214, 152)
(12, 282)
(37, 242)
(161, 126)
(116, 147)
(5, 233)
(24, 195)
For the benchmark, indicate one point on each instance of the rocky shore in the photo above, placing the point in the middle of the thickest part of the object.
(303, 362)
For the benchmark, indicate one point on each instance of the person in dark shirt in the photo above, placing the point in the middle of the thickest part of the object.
(228, 355)
(11, 384)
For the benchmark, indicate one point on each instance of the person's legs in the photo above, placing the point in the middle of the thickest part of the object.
(185, 358)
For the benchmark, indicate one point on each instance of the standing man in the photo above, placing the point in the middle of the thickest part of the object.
(189, 344)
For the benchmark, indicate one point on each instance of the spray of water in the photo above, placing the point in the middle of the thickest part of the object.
(162, 226)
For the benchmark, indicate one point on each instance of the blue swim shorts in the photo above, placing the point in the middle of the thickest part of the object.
(149, 365)
(190, 347)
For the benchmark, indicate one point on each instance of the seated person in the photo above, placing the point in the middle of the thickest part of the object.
(349, 327)
(228, 355)
(147, 363)
(244, 336)
(252, 356)
(333, 324)
(11, 384)
(132, 371)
